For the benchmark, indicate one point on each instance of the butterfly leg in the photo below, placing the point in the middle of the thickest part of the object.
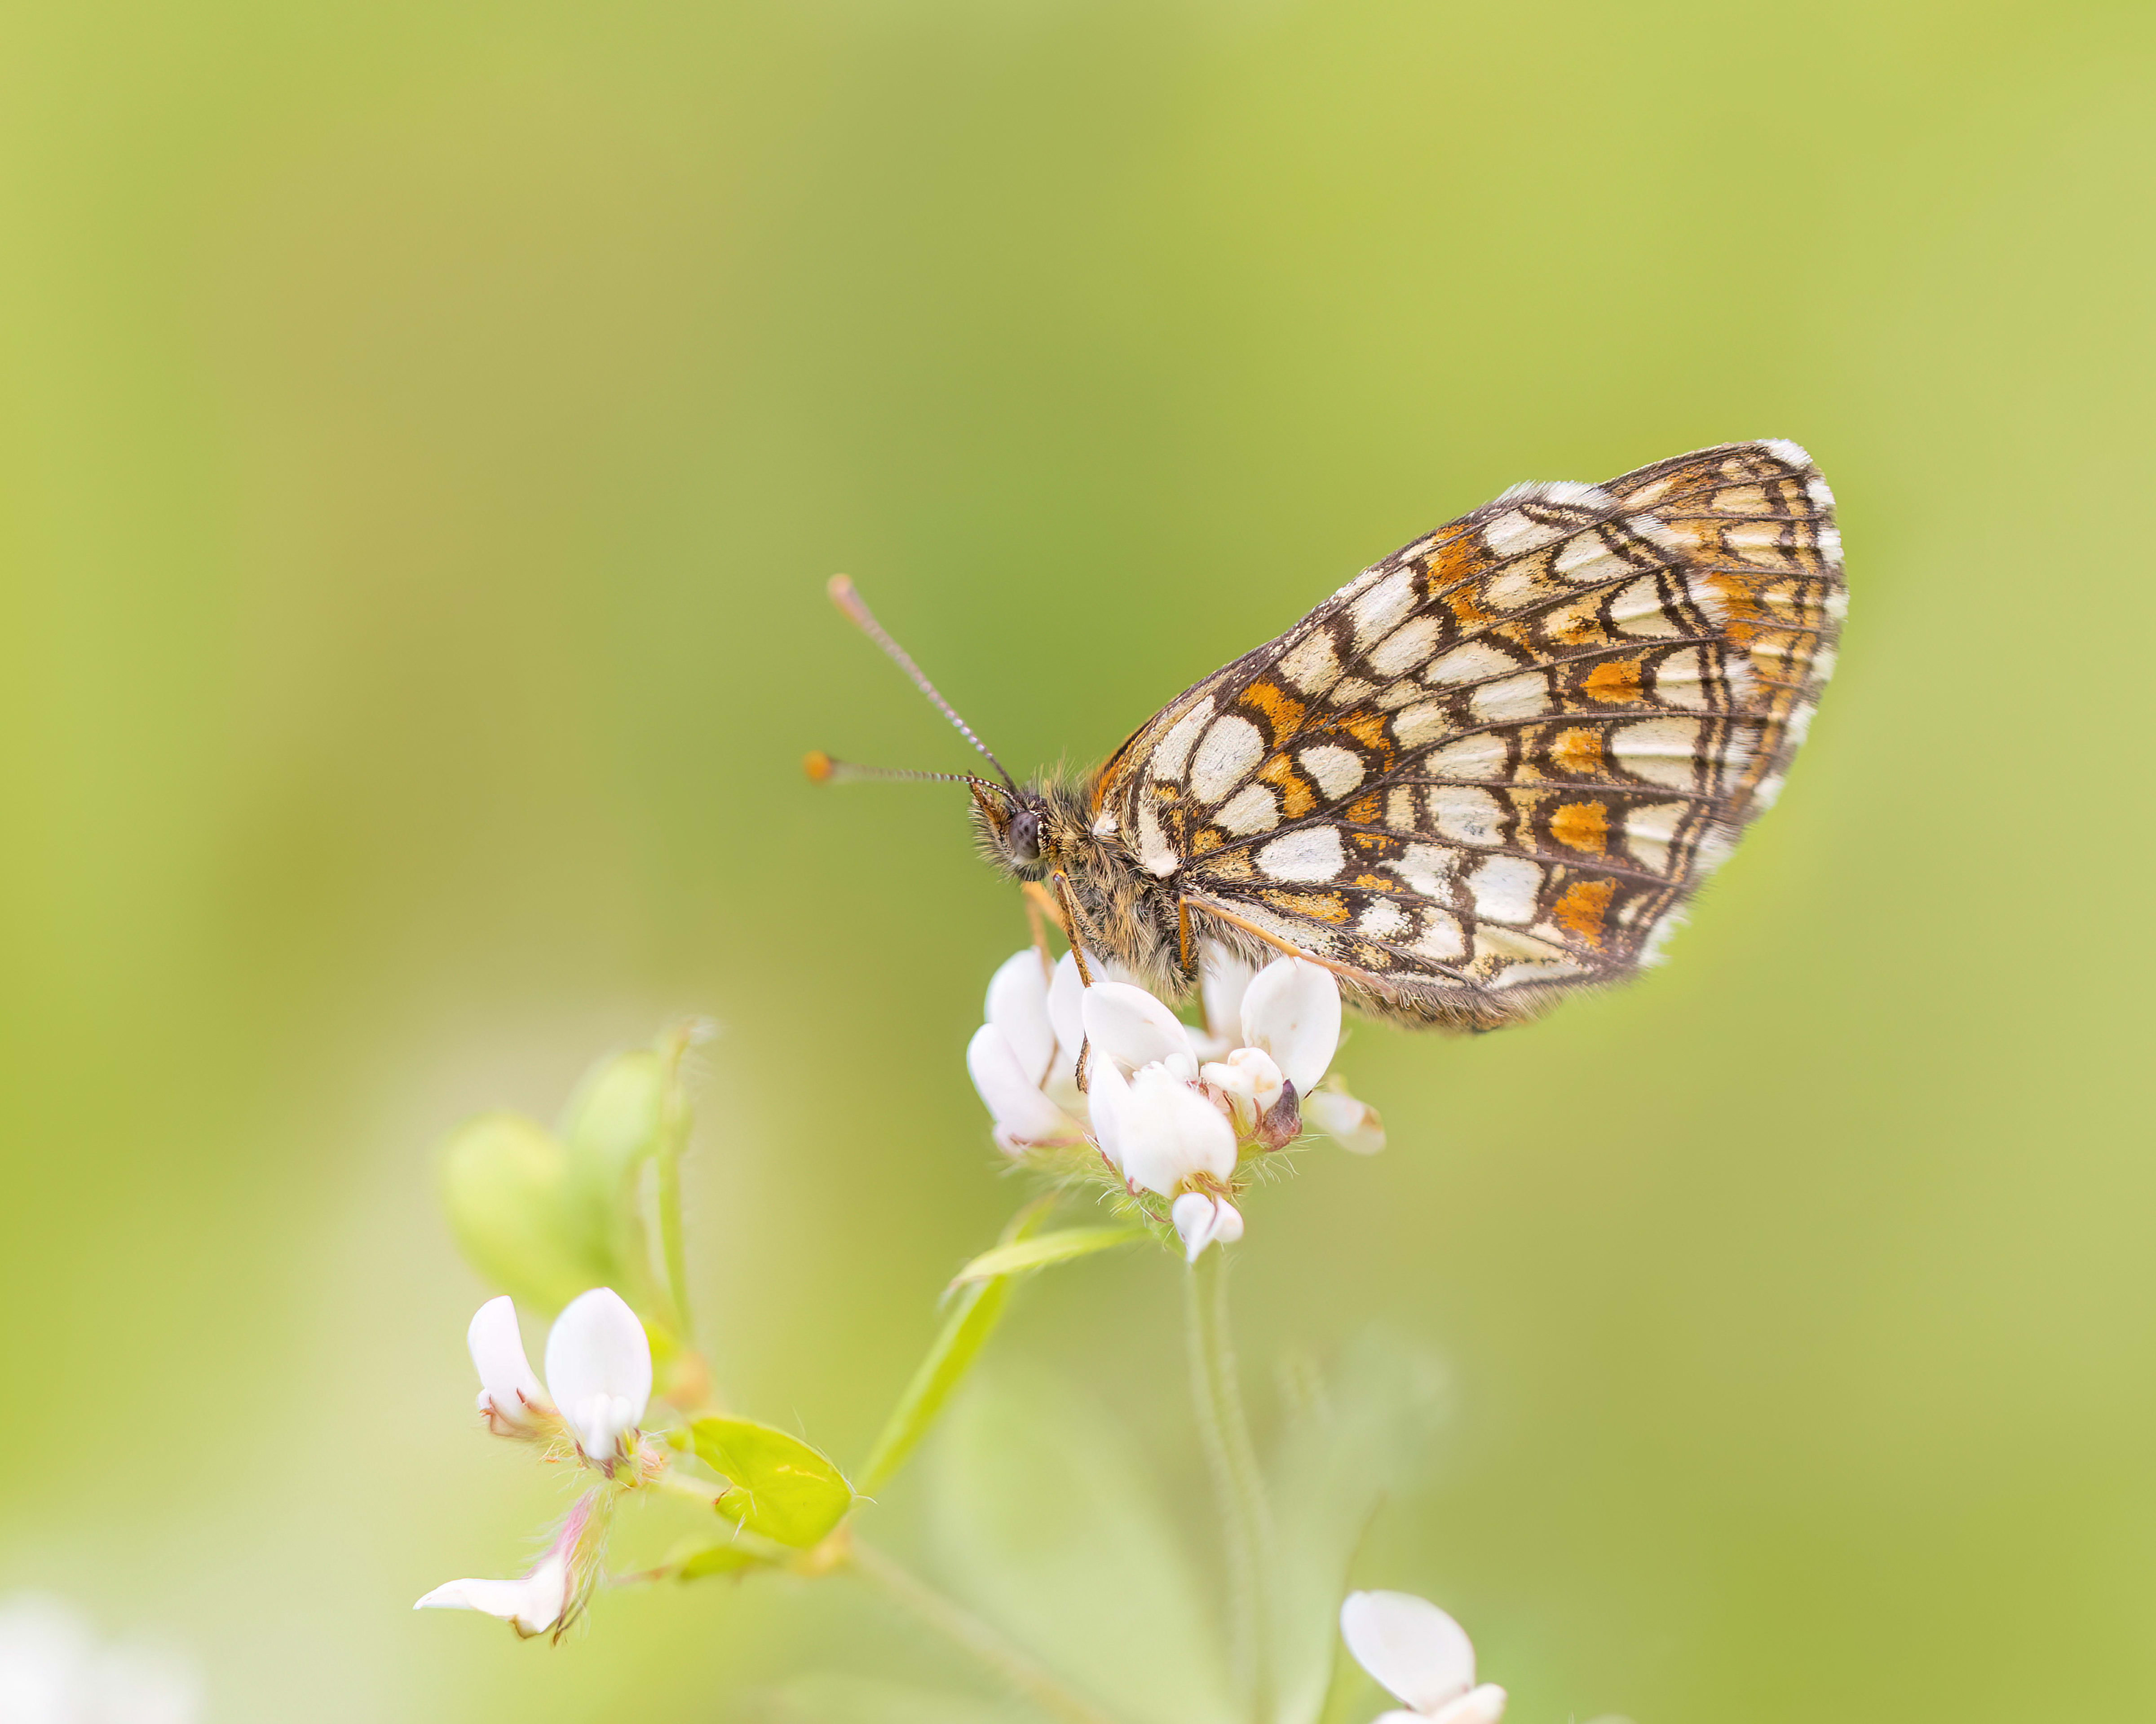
(1037, 919)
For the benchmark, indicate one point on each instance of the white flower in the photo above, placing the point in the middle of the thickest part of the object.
(599, 1365)
(555, 1590)
(1291, 1010)
(509, 1398)
(54, 1670)
(1353, 1125)
(532, 1605)
(1200, 1218)
(1014, 1053)
(1421, 1656)
(1169, 1124)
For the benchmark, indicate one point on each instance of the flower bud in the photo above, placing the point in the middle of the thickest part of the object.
(1352, 1124)
(504, 1184)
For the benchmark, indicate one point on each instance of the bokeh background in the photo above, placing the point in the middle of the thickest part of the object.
(424, 432)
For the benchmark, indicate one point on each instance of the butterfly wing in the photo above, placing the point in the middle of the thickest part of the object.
(1491, 768)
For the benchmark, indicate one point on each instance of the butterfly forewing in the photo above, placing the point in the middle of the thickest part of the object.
(1492, 767)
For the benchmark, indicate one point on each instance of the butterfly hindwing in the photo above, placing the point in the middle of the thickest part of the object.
(1492, 767)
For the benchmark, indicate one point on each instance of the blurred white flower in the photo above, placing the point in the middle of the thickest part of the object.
(554, 1591)
(1353, 1125)
(1200, 1218)
(54, 1669)
(599, 1365)
(1421, 1655)
(1170, 1108)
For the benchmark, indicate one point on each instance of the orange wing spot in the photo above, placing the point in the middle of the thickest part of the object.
(1372, 730)
(1297, 798)
(1456, 563)
(1367, 810)
(1208, 838)
(1375, 882)
(1583, 825)
(1578, 752)
(1579, 911)
(1282, 712)
(1319, 906)
(1616, 679)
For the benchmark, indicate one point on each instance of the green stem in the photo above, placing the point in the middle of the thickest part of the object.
(1245, 1524)
(966, 1631)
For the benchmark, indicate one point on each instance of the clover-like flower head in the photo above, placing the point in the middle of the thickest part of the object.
(1175, 1112)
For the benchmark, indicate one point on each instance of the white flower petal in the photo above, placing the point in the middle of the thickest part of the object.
(1064, 991)
(1107, 1097)
(1222, 981)
(1484, 1706)
(1414, 1649)
(509, 1393)
(534, 1604)
(1023, 1115)
(1168, 1131)
(599, 1366)
(1353, 1125)
(1133, 1028)
(1292, 1011)
(1017, 1006)
(1249, 1072)
(1200, 1218)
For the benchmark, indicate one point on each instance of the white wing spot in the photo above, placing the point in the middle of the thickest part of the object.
(1470, 663)
(1513, 534)
(1337, 770)
(1406, 647)
(1312, 666)
(1523, 696)
(1659, 750)
(1638, 609)
(1417, 724)
(1253, 808)
(1679, 682)
(1467, 815)
(1154, 851)
(1382, 920)
(1504, 888)
(1230, 749)
(1174, 754)
(1314, 852)
(1383, 608)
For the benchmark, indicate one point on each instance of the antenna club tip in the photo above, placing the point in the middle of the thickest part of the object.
(819, 766)
(844, 595)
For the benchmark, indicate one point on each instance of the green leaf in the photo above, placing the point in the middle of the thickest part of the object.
(1060, 1247)
(779, 1486)
(1047, 1522)
(504, 1184)
(697, 1562)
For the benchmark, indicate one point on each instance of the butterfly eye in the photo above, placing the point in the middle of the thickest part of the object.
(1023, 836)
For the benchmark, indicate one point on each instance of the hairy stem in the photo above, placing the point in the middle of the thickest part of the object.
(1014, 1667)
(1246, 1523)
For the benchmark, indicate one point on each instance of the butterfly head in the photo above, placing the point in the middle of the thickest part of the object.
(1011, 826)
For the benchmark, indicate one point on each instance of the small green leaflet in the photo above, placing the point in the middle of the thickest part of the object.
(1049, 1248)
(777, 1484)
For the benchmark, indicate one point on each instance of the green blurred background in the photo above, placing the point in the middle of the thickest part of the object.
(424, 432)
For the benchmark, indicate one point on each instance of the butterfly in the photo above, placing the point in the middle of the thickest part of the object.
(1488, 772)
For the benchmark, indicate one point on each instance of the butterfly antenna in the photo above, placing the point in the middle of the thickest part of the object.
(848, 600)
(822, 769)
